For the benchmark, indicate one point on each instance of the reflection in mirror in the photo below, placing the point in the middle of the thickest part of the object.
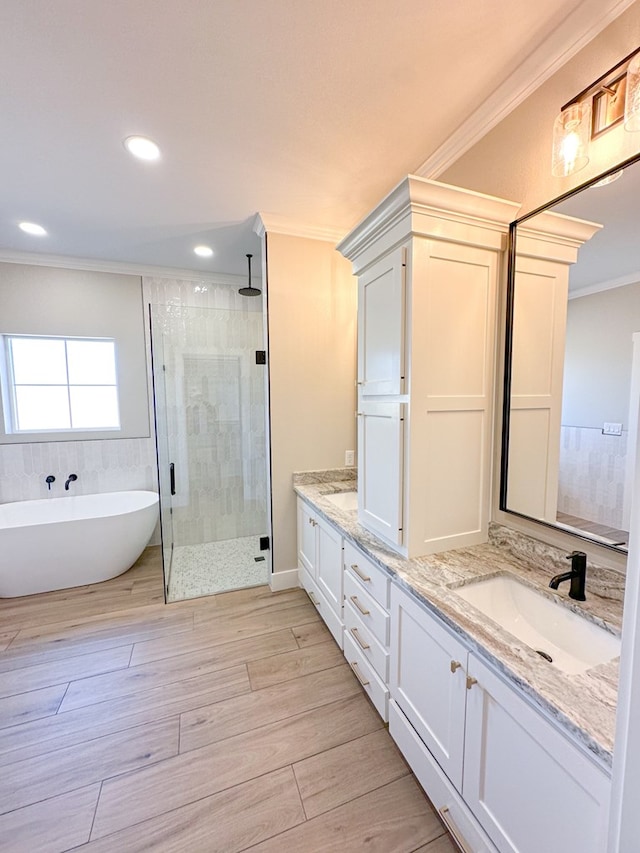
(574, 357)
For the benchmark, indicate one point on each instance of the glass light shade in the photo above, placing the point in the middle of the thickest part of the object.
(571, 131)
(632, 103)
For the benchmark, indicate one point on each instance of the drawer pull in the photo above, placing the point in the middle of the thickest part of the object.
(357, 604)
(453, 830)
(314, 600)
(356, 672)
(355, 568)
(455, 664)
(364, 646)
(471, 681)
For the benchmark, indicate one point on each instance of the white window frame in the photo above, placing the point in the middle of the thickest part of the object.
(9, 385)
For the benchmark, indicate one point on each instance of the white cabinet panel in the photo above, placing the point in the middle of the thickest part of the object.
(329, 565)
(530, 788)
(380, 461)
(381, 326)
(428, 680)
(446, 800)
(307, 537)
(330, 617)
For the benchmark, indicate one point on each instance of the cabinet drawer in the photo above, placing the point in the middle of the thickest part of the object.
(451, 808)
(329, 616)
(373, 651)
(372, 577)
(372, 615)
(366, 675)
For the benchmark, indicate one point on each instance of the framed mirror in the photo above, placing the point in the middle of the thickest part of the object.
(572, 360)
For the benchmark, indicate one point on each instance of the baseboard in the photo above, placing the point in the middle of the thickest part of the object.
(284, 580)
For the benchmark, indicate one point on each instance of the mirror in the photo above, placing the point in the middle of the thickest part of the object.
(572, 367)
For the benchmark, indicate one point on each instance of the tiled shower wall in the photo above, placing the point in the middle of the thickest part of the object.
(119, 464)
(215, 424)
(592, 475)
(214, 429)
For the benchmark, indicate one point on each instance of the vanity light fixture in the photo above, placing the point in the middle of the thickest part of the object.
(32, 228)
(612, 98)
(203, 251)
(142, 147)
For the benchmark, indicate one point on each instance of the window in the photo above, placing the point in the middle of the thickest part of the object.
(60, 384)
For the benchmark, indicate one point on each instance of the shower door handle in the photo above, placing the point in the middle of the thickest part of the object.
(172, 477)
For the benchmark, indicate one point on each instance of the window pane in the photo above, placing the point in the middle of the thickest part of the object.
(38, 361)
(91, 362)
(42, 407)
(94, 408)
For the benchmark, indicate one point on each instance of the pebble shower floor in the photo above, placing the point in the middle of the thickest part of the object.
(214, 567)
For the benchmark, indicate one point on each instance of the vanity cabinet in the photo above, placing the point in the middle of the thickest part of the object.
(501, 774)
(320, 567)
(427, 261)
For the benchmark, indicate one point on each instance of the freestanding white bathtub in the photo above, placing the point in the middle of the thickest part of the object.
(58, 543)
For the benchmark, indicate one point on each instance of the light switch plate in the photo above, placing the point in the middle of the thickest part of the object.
(349, 458)
(612, 429)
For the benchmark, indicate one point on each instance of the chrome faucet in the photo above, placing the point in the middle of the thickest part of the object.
(71, 479)
(577, 576)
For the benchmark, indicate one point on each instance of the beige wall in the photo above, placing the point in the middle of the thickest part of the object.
(312, 320)
(514, 159)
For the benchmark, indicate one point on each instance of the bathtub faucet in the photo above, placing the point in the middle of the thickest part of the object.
(72, 478)
(50, 479)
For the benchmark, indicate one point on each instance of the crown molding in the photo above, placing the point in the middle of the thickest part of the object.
(574, 33)
(611, 284)
(120, 267)
(428, 204)
(275, 223)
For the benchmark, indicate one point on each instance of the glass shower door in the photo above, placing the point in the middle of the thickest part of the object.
(213, 463)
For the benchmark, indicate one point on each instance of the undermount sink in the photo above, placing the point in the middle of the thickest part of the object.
(569, 641)
(344, 500)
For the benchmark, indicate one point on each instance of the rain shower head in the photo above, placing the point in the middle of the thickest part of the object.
(249, 290)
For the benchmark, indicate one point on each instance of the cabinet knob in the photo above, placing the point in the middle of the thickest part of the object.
(455, 664)
(471, 681)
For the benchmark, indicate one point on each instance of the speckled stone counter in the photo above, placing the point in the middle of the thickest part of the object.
(585, 704)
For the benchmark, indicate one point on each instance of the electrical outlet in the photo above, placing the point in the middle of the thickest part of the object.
(349, 458)
(612, 429)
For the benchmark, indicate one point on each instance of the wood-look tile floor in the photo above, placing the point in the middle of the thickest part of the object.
(223, 724)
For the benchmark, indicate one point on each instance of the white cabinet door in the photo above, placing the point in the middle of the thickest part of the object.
(528, 786)
(380, 468)
(307, 554)
(381, 298)
(329, 565)
(428, 680)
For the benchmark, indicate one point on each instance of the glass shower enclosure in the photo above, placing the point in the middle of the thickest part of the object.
(209, 381)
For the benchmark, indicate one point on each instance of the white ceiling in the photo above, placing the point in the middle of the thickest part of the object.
(309, 109)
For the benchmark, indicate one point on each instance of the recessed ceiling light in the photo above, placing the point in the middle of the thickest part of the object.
(203, 251)
(32, 228)
(142, 147)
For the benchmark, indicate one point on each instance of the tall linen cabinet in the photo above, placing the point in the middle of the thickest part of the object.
(428, 261)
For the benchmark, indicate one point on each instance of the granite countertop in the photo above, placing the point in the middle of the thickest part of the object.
(583, 704)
